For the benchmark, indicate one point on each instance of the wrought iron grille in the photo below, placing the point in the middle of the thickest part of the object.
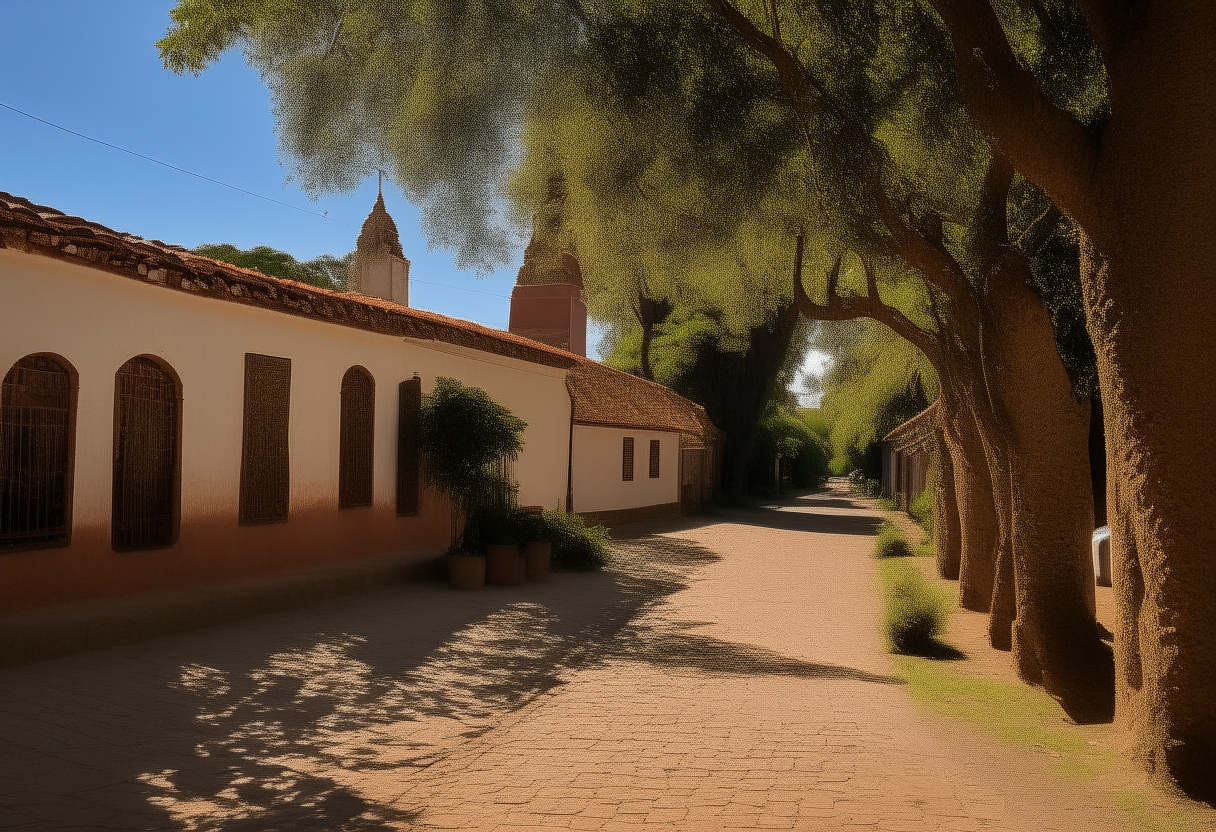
(356, 456)
(145, 457)
(654, 459)
(265, 464)
(627, 459)
(35, 453)
(409, 467)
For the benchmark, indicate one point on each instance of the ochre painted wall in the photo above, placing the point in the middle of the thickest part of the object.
(97, 321)
(597, 469)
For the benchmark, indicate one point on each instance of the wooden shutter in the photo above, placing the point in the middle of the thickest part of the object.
(265, 464)
(627, 459)
(356, 452)
(37, 411)
(409, 468)
(145, 482)
(654, 459)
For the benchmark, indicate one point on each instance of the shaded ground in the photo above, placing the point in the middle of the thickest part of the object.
(724, 673)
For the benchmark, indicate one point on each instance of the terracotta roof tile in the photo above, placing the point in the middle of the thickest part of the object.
(603, 396)
(37, 229)
(916, 430)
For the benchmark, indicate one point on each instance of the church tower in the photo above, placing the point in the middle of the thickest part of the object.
(547, 301)
(381, 270)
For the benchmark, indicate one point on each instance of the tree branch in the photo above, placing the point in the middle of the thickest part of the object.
(989, 235)
(1045, 143)
(847, 308)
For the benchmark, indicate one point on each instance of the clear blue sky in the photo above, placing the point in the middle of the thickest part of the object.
(92, 68)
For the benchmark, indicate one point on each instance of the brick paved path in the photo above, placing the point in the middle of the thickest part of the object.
(724, 673)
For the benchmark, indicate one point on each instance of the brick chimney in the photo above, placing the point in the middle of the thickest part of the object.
(381, 270)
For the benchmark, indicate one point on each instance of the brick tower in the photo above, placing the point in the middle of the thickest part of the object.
(547, 301)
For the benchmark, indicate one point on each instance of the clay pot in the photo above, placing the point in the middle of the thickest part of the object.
(537, 556)
(466, 571)
(503, 564)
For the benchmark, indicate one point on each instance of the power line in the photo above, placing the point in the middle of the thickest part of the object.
(173, 167)
(225, 185)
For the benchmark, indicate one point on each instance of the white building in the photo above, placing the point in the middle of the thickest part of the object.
(170, 420)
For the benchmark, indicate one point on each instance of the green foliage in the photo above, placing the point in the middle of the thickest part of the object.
(875, 383)
(434, 92)
(891, 542)
(921, 510)
(780, 432)
(914, 612)
(465, 437)
(325, 272)
(575, 544)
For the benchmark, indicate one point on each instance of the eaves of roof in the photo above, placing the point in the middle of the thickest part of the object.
(37, 229)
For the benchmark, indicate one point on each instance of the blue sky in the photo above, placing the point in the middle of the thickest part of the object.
(92, 67)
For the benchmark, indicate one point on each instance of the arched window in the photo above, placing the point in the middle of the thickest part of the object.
(147, 442)
(355, 452)
(37, 438)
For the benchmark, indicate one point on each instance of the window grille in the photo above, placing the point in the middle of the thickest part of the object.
(409, 395)
(356, 456)
(654, 459)
(265, 462)
(36, 430)
(627, 459)
(145, 457)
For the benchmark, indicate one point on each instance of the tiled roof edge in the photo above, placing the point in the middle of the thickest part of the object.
(37, 229)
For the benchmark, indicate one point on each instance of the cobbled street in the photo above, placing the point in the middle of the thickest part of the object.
(725, 672)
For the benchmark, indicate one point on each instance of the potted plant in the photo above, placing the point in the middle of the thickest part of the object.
(538, 546)
(468, 440)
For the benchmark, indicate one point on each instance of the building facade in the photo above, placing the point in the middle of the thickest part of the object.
(171, 421)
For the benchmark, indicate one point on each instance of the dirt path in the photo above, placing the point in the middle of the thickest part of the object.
(725, 673)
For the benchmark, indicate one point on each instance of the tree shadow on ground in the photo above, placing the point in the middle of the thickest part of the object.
(312, 719)
(804, 521)
(936, 650)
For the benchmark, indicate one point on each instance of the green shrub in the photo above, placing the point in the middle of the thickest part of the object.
(575, 544)
(915, 614)
(891, 543)
(921, 510)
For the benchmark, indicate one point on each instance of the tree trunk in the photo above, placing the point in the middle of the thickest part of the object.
(1055, 640)
(734, 388)
(1161, 458)
(979, 525)
(947, 534)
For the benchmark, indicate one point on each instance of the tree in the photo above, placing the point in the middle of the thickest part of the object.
(1140, 182)
(325, 272)
(463, 433)
(996, 323)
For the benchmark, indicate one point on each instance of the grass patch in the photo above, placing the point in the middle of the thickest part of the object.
(887, 504)
(914, 612)
(924, 549)
(891, 542)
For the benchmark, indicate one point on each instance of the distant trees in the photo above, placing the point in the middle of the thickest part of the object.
(325, 272)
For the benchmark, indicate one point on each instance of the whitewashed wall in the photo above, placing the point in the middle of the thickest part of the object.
(97, 321)
(597, 479)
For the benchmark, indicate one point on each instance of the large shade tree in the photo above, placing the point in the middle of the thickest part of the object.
(1140, 182)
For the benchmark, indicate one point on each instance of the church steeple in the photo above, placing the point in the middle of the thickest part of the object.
(381, 269)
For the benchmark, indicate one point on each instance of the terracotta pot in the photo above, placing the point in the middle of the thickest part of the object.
(537, 555)
(466, 571)
(503, 564)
